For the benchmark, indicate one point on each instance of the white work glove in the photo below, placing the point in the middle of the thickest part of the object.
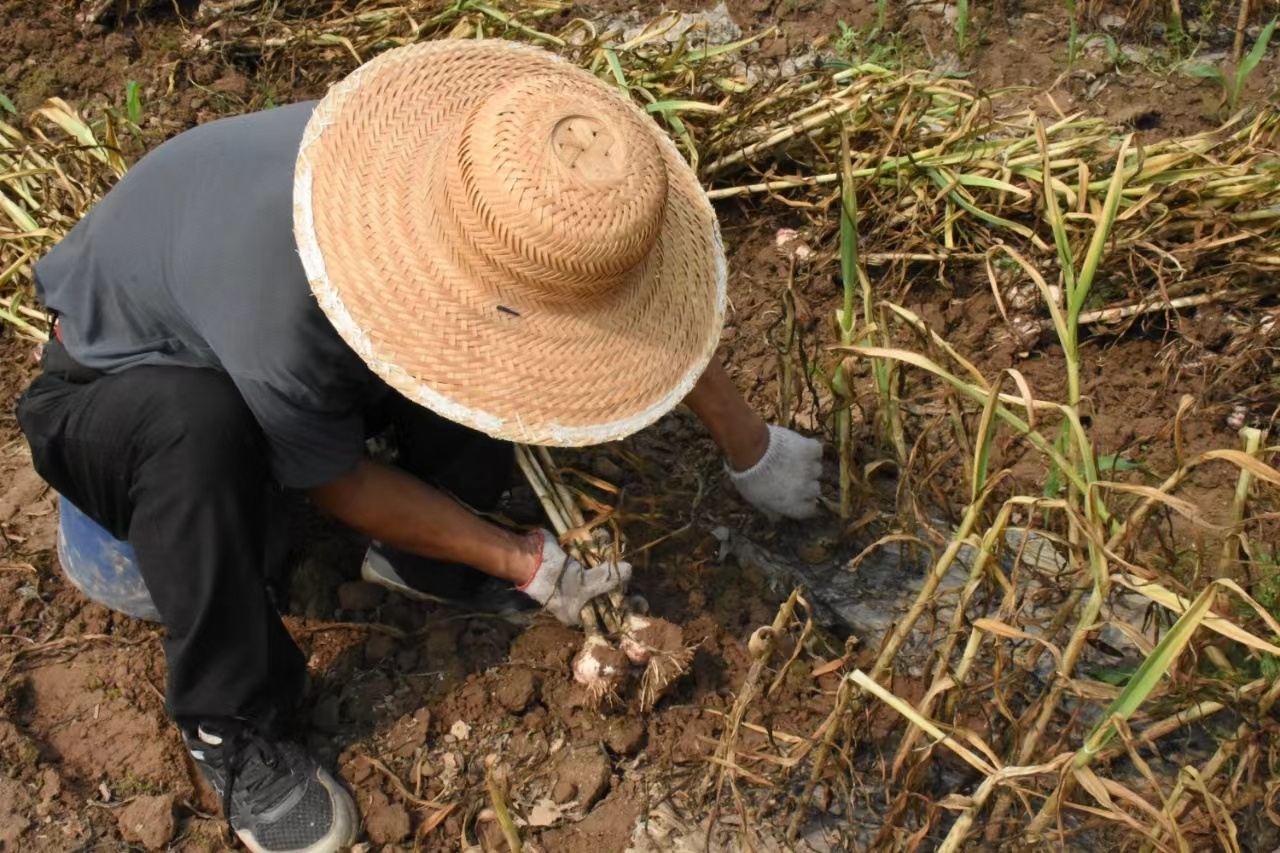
(785, 480)
(563, 586)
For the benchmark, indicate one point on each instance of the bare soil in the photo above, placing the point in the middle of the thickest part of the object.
(408, 700)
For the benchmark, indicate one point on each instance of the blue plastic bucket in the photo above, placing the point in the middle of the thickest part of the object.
(102, 567)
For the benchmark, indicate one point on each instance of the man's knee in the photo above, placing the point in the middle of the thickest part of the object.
(40, 413)
(200, 422)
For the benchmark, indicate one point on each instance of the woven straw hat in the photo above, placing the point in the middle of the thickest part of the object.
(510, 242)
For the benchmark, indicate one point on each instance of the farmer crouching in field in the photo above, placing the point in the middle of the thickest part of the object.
(470, 243)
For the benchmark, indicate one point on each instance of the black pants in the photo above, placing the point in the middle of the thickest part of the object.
(172, 460)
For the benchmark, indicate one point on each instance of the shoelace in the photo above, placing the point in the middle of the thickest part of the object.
(233, 752)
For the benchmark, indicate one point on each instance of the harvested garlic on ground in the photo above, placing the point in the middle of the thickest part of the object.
(597, 660)
(635, 650)
(645, 636)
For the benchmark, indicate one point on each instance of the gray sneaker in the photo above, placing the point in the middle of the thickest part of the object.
(429, 580)
(275, 796)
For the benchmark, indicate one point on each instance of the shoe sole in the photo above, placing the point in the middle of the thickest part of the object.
(341, 836)
(369, 575)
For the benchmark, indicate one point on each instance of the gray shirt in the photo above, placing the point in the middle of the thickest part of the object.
(190, 261)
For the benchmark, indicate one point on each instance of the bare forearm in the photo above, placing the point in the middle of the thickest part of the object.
(740, 433)
(400, 510)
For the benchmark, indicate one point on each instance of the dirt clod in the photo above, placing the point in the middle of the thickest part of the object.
(517, 690)
(546, 644)
(148, 821)
(378, 648)
(312, 588)
(359, 595)
(326, 713)
(408, 734)
(236, 85)
(385, 821)
(582, 775)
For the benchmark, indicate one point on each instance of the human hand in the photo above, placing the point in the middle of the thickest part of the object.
(563, 586)
(786, 479)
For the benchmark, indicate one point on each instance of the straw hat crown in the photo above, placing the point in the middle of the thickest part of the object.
(557, 187)
(509, 241)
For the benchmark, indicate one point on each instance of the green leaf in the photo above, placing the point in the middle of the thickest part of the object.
(1113, 49)
(848, 235)
(712, 52)
(1117, 463)
(17, 215)
(616, 67)
(1061, 239)
(943, 183)
(1251, 61)
(7, 104)
(1149, 674)
(992, 184)
(1053, 483)
(982, 448)
(1270, 666)
(133, 102)
(1113, 676)
(1101, 235)
(683, 106)
(1202, 69)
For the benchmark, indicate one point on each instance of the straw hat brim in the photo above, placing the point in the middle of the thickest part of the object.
(432, 320)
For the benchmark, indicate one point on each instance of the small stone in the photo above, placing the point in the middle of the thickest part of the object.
(362, 770)
(358, 595)
(148, 821)
(460, 730)
(563, 792)
(325, 716)
(545, 813)
(517, 690)
(624, 735)
(814, 552)
(313, 584)
(378, 648)
(233, 84)
(584, 771)
(117, 44)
